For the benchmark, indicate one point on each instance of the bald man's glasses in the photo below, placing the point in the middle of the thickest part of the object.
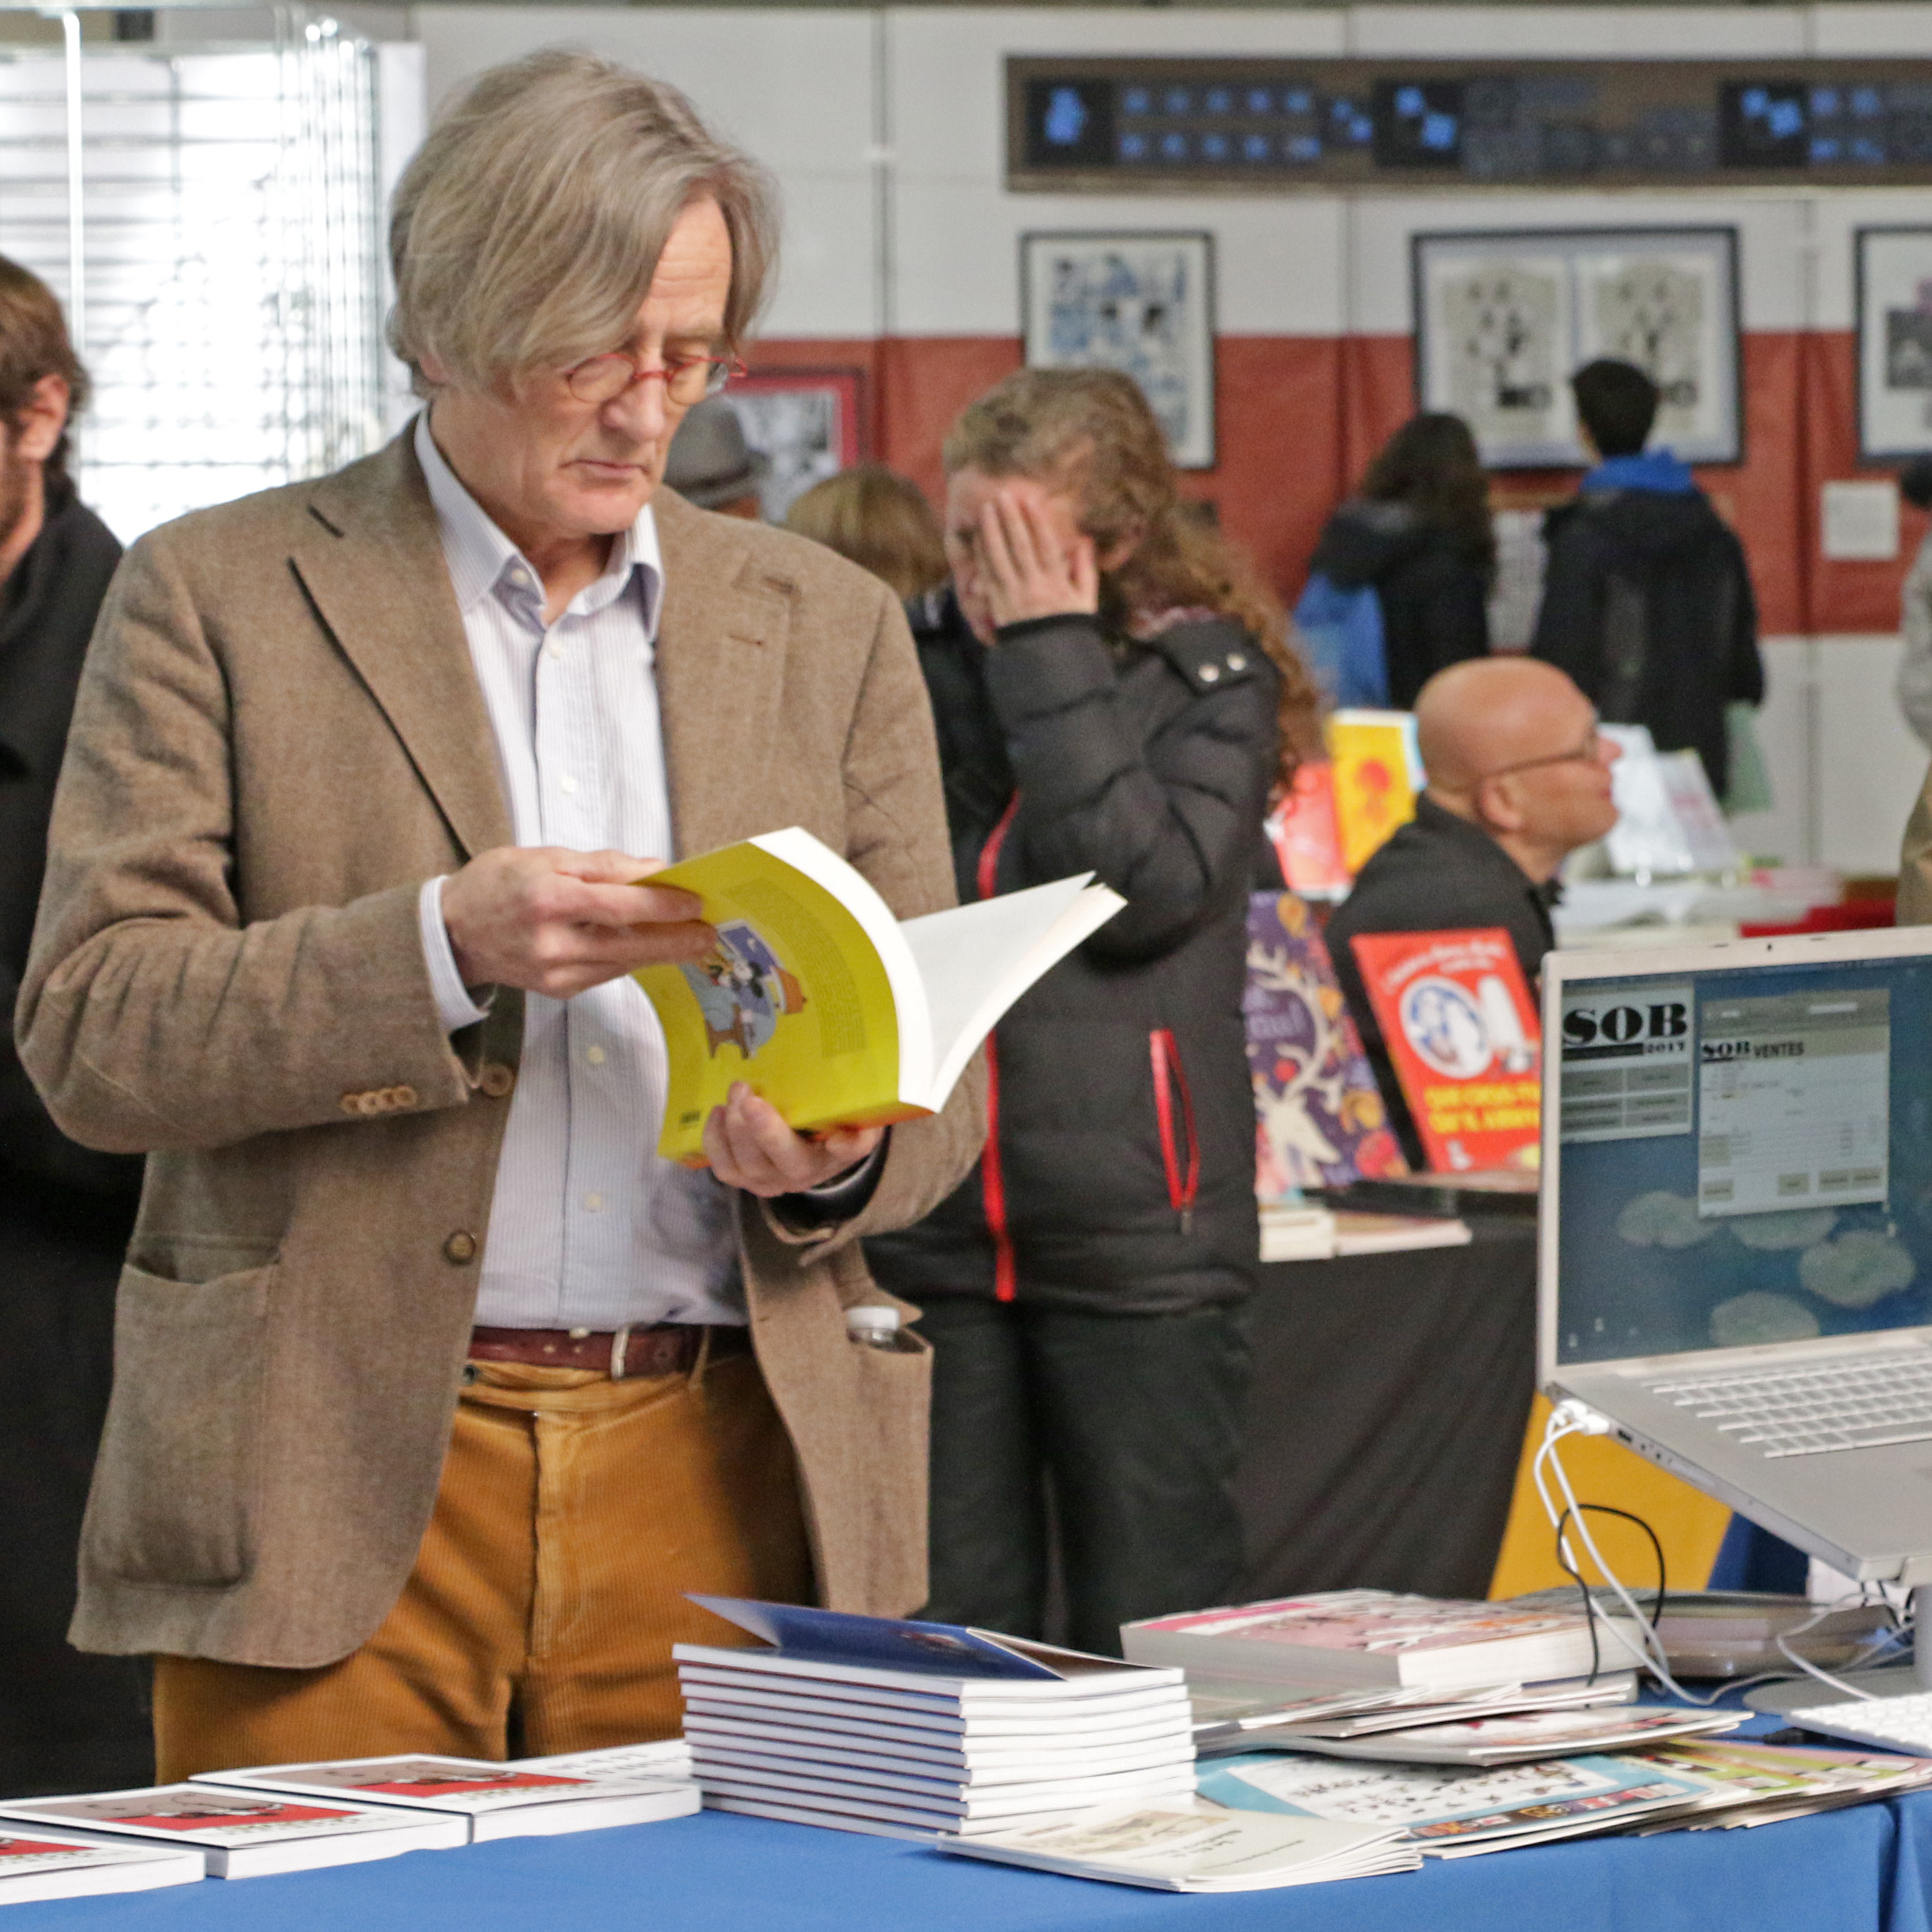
(1589, 752)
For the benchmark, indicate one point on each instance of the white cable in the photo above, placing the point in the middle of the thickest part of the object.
(1573, 1418)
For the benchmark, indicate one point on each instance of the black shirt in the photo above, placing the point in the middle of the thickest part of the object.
(1439, 873)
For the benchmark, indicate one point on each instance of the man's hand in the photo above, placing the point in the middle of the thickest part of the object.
(749, 1145)
(556, 922)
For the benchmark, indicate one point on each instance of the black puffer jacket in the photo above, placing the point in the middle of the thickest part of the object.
(1434, 593)
(1647, 603)
(1119, 1171)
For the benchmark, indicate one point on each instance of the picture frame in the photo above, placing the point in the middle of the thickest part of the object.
(805, 422)
(1503, 318)
(1891, 272)
(1140, 301)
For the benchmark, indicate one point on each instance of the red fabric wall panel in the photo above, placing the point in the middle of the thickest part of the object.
(1298, 418)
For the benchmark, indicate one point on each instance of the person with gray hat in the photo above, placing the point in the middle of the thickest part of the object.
(712, 465)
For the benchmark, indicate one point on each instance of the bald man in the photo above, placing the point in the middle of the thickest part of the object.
(1519, 778)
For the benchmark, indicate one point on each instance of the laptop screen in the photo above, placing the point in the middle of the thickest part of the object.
(1745, 1156)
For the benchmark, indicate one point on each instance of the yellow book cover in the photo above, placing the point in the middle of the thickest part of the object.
(825, 1004)
(1377, 776)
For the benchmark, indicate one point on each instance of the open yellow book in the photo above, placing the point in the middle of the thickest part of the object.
(827, 1006)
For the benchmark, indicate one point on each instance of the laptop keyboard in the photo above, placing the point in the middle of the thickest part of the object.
(1855, 1402)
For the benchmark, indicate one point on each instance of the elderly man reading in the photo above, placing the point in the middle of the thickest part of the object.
(435, 1388)
(1519, 778)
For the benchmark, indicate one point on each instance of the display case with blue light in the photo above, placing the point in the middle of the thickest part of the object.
(1270, 123)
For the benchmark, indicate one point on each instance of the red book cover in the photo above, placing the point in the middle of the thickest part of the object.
(1462, 1034)
(1306, 838)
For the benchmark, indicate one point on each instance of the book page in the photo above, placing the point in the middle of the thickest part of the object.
(976, 960)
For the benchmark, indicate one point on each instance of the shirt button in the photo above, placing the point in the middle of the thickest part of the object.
(593, 1202)
(496, 1079)
(596, 1055)
(521, 577)
(567, 786)
(461, 1248)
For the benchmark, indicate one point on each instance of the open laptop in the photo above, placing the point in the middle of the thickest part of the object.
(1735, 1243)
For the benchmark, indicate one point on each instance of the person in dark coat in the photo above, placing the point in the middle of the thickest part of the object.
(1418, 531)
(1647, 600)
(1111, 688)
(1519, 778)
(67, 1722)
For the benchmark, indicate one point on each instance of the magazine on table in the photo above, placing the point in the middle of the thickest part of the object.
(1198, 1850)
(1518, 1738)
(1451, 1811)
(53, 1864)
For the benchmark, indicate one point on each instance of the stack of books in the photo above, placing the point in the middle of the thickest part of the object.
(904, 1729)
(245, 1834)
(56, 1864)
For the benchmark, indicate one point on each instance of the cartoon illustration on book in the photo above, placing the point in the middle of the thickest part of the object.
(742, 989)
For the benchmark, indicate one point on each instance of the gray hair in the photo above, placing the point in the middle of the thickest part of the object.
(526, 230)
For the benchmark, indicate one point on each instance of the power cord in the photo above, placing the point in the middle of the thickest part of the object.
(1572, 1417)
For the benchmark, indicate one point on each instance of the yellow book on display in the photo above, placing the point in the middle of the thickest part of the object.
(1378, 774)
(825, 1004)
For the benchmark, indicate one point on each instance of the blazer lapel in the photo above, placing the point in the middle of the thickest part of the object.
(374, 568)
(722, 640)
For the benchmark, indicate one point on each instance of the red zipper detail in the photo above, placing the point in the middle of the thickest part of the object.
(992, 1173)
(1165, 1051)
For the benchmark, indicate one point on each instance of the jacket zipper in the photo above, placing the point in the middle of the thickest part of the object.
(1168, 1074)
(992, 1172)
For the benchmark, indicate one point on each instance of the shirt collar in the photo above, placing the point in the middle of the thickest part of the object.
(483, 561)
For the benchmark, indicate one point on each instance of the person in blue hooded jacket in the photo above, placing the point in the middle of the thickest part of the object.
(1647, 602)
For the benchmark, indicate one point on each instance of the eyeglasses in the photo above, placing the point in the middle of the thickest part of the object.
(1589, 752)
(687, 379)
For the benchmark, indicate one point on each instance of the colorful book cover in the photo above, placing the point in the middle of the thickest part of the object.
(1306, 839)
(1457, 1020)
(1319, 1120)
(1378, 774)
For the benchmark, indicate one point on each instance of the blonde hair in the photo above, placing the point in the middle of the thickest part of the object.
(525, 231)
(1091, 432)
(880, 520)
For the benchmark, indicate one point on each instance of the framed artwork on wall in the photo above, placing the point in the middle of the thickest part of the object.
(1141, 303)
(804, 421)
(1892, 267)
(1503, 318)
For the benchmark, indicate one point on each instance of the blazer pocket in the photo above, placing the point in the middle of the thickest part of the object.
(175, 1483)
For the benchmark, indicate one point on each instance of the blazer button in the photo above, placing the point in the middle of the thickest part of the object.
(370, 1103)
(352, 1103)
(403, 1097)
(496, 1080)
(461, 1248)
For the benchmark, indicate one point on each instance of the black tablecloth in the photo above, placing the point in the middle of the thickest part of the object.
(1391, 1393)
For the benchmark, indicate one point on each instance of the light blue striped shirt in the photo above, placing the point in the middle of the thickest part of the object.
(589, 1228)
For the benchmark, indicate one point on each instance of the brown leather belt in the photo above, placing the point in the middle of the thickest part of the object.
(666, 1348)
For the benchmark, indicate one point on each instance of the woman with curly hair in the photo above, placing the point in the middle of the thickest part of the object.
(1115, 696)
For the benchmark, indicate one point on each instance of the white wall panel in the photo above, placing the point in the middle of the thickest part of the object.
(1870, 766)
(1577, 33)
(1852, 29)
(1788, 832)
(1278, 261)
(795, 88)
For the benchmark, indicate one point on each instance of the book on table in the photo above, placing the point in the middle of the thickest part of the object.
(909, 1729)
(1517, 1738)
(485, 1800)
(1371, 1637)
(825, 1005)
(55, 1864)
(666, 1758)
(1222, 1719)
(1198, 1849)
(246, 1834)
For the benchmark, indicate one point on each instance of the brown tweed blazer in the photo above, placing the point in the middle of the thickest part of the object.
(279, 736)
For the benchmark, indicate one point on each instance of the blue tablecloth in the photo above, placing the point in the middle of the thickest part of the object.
(1866, 1870)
